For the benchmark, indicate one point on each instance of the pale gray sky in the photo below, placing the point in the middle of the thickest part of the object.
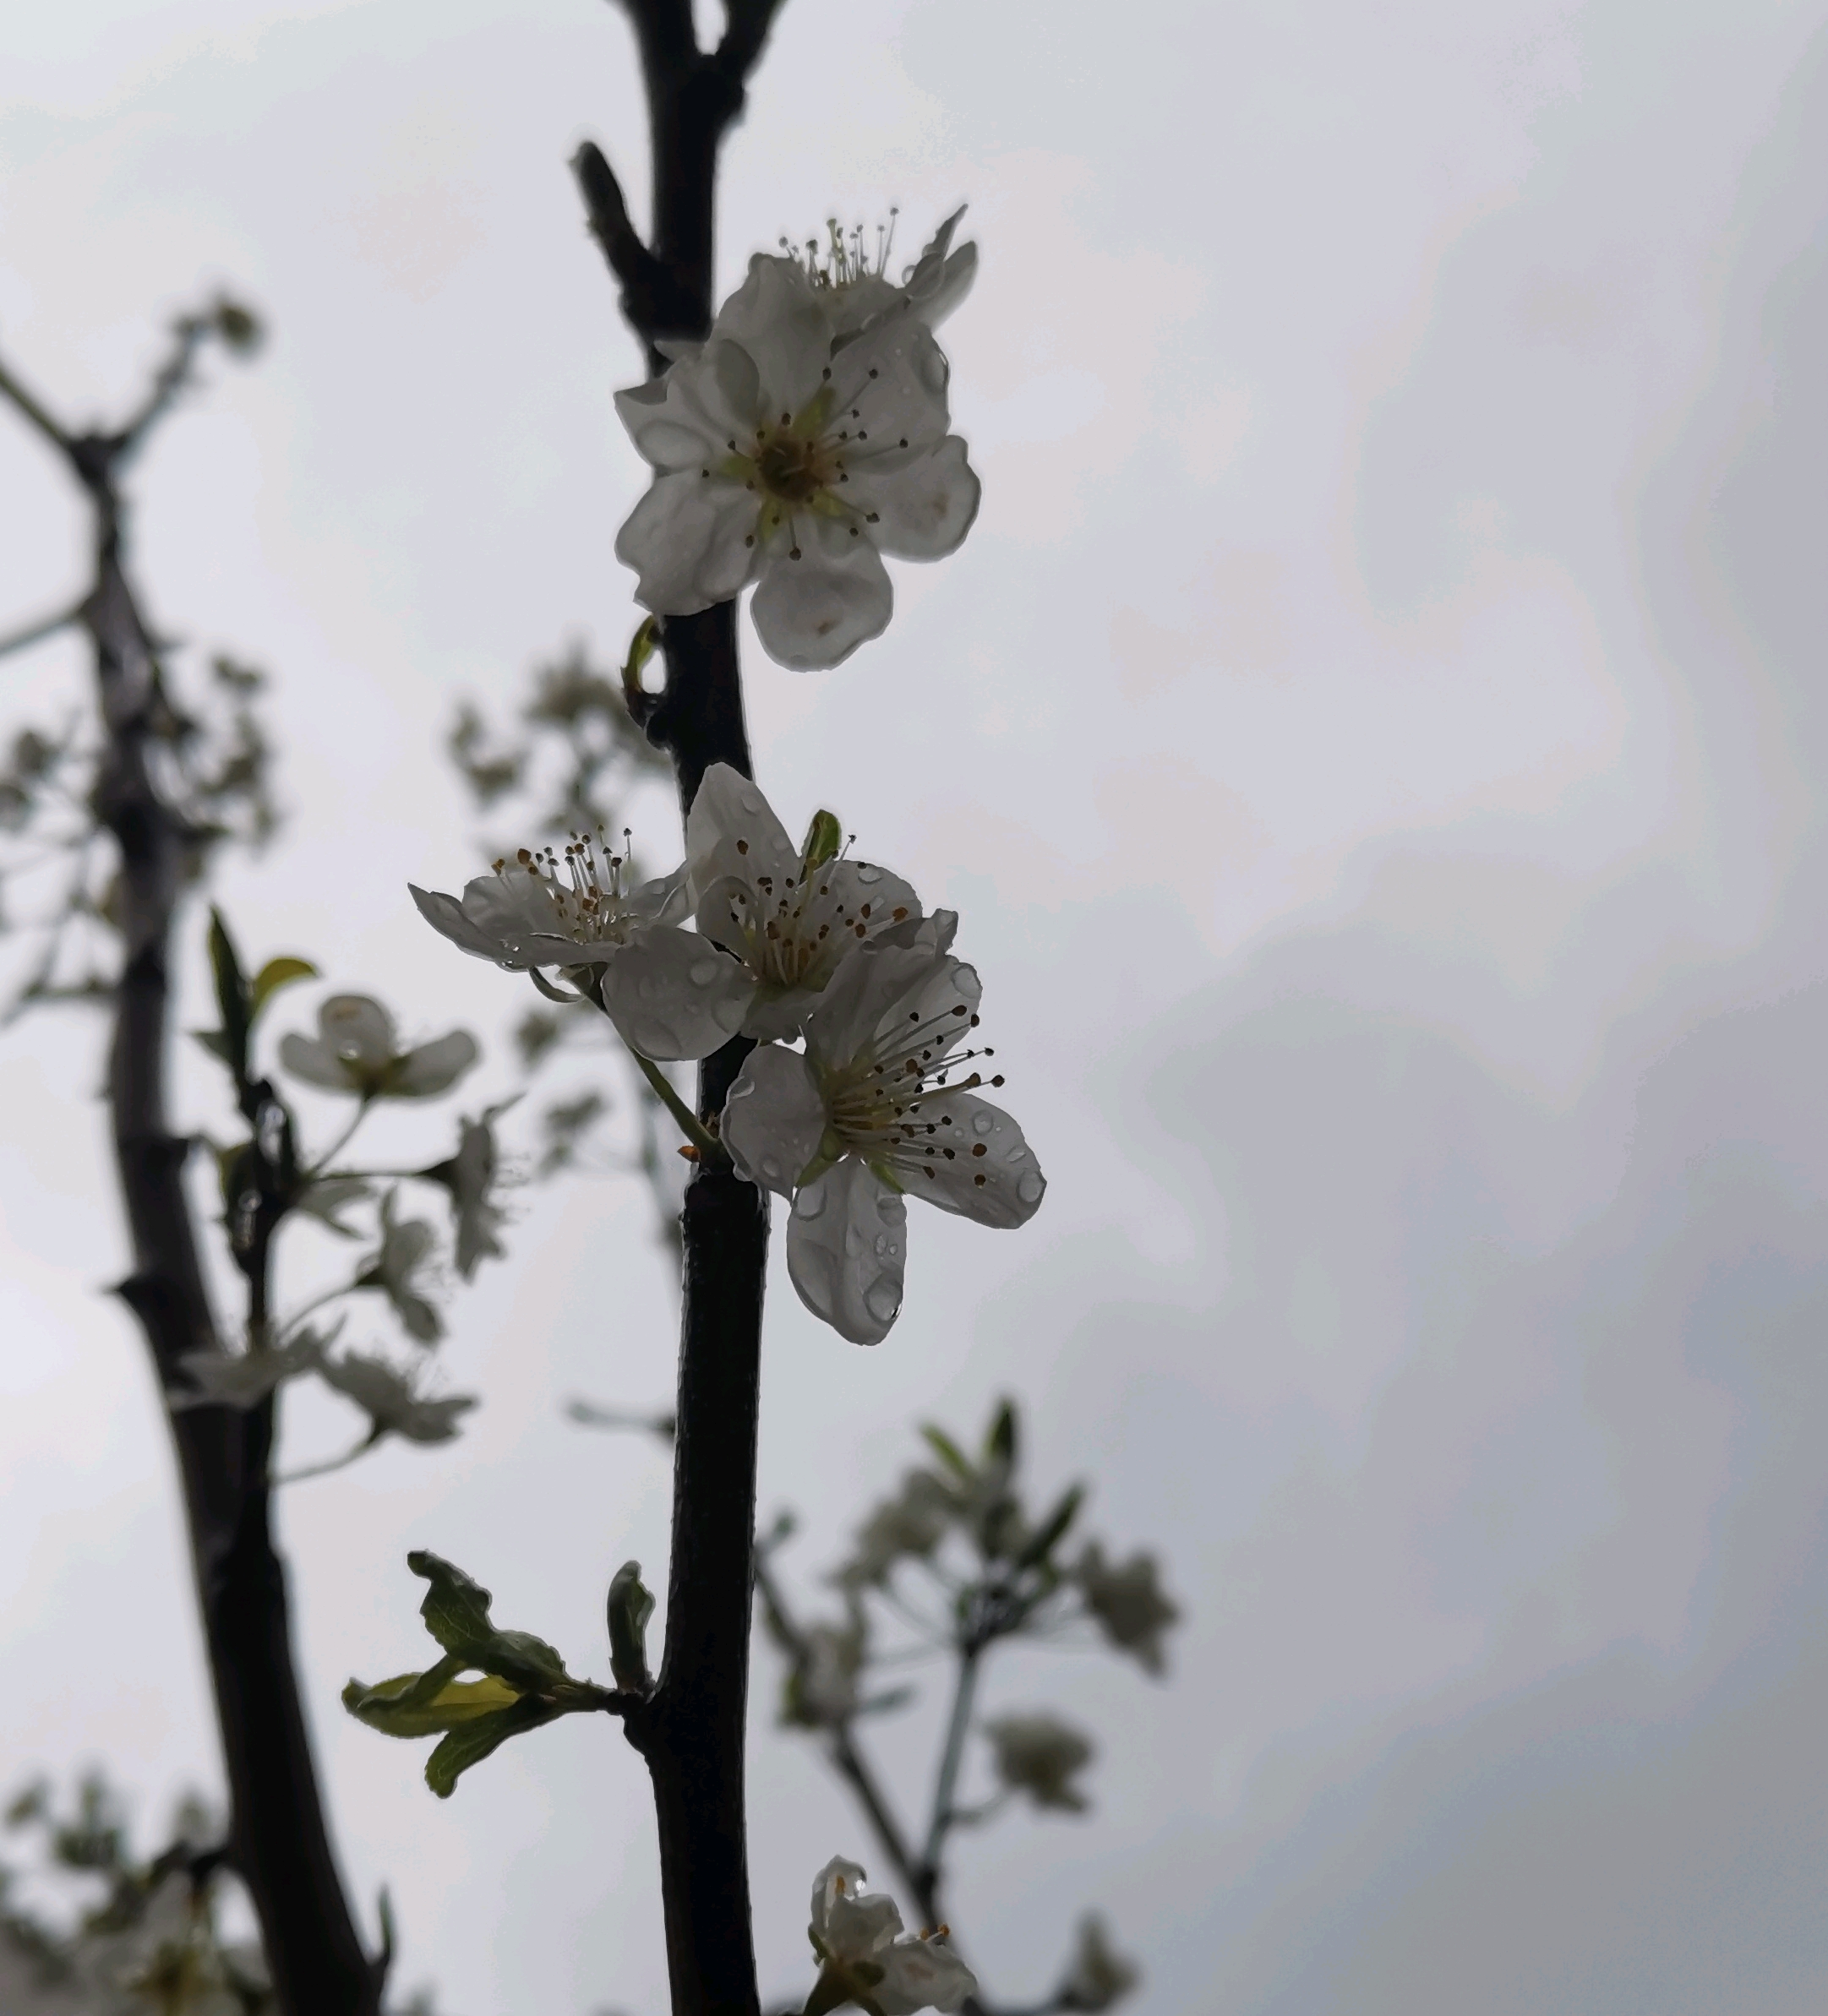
(1374, 735)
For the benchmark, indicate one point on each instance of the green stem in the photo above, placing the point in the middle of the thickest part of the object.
(952, 1759)
(690, 1125)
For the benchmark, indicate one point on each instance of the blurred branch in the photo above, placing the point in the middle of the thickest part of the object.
(280, 1840)
(35, 633)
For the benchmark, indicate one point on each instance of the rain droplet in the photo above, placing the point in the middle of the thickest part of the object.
(752, 802)
(1030, 1186)
(770, 1169)
(982, 1123)
(882, 1298)
(810, 1201)
(704, 971)
(884, 1244)
(866, 874)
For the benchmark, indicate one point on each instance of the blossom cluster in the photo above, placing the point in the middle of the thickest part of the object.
(861, 1088)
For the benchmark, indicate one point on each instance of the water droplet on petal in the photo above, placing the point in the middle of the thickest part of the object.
(882, 1298)
(982, 1123)
(750, 801)
(705, 971)
(866, 874)
(809, 1202)
(770, 1169)
(882, 1244)
(1030, 1186)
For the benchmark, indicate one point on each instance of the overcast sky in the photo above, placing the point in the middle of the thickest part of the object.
(1373, 735)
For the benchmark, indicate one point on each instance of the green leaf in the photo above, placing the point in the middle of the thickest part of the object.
(1000, 1444)
(212, 1040)
(474, 1741)
(631, 1606)
(231, 997)
(824, 837)
(455, 1610)
(640, 650)
(1054, 1531)
(429, 1703)
(274, 975)
(949, 1452)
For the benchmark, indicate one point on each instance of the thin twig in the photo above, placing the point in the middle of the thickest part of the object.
(45, 626)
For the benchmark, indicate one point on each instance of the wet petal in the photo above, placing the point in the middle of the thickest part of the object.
(685, 541)
(846, 1250)
(923, 508)
(358, 1029)
(883, 992)
(813, 611)
(773, 1119)
(889, 388)
(971, 1158)
(732, 830)
(671, 993)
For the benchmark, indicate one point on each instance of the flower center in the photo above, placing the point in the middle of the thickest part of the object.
(793, 468)
(586, 888)
(877, 1100)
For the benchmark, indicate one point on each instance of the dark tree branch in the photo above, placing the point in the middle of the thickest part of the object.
(693, 1736)
(280, 1843)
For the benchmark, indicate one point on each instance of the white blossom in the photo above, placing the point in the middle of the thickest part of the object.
(822, 1690)
(393, 1268)
(1100, 1975)
(246, 1379)
(910, 1524)
(670, 993)
(866, 1114)
(356, 1050)
(793, 452)
(869, 1959)
(851, 282)
(1127, 1601)
(789, 922)
(470, 1176)
(390, 1398)
(1038, 1754)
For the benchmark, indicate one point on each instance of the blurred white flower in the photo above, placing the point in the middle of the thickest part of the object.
(869, 1959)
(792, 455)
(670, 993)
(1038, 1754)
(245, 1381)
(1127, 1601)
(910, 1524)
(394, 1269)
(356, 1050)
(789, 922)
(470, 1175)
(390, 1398)
(821, 1689)
(1098, 1976)
(866, 1114)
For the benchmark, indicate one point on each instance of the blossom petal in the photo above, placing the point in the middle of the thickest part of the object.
(891, 384)
(923, 508)
(846, 1251)
(358, 1029)
(775, 315)
(882, 989)
(774, 1119)
(685, 541)
(314, 1061)
(434, 1067)
(971, 1158)
(671, 993)
(813, 611)
(922, 1973)
(732, 830)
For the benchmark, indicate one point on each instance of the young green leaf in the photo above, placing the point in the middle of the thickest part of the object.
(472, 1741)
(1054, 1531)
(274, 975)
(231, 997)
(949, 1452)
